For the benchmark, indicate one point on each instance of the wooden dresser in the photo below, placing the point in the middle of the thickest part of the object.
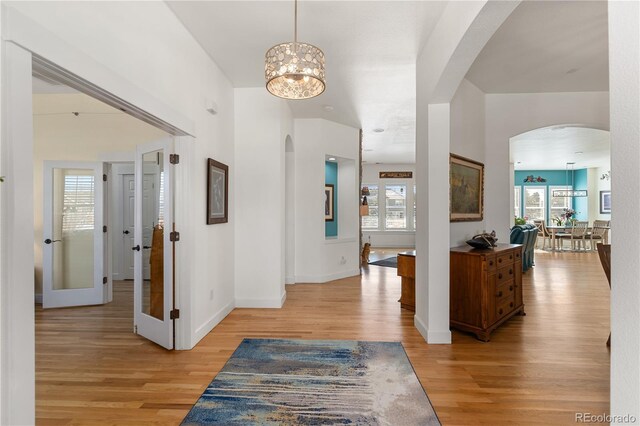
(407, 270)
(486, 287)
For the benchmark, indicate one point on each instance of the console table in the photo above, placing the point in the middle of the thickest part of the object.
(407, 270)
(485, 288)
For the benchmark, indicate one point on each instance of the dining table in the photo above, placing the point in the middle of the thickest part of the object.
(554, 229)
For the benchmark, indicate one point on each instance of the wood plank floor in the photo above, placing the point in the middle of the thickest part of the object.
(538, 369)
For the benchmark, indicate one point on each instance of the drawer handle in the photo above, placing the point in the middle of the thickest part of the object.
(499, 294)
(491, 263)
(510, 288)
(511, 304)
(500, 311)
(500, 276)
(510, 271)
(518, 255)
(510, 256)
(499, 260)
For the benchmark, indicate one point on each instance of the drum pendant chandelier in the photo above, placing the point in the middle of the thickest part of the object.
(294, 70)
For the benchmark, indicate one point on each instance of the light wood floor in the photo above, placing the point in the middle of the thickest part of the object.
(541, 368)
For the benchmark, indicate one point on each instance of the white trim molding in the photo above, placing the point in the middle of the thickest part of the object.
(262, 303)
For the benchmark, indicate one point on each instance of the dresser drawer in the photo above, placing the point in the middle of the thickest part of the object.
(505, 274)
(517, 255)
(505, 259)
(505, 291)
(504, 307)
(490, 263)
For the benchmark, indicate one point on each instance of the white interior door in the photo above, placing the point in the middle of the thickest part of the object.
(151, 180)
(153, 293)
(73, 246)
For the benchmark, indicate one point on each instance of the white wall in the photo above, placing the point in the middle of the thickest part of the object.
(467, 140)
(595, 185)
(262, 124)
(390, 238)
(58, 135)
(508, 115)
(319, 259)
(624, 84)
(161, 67)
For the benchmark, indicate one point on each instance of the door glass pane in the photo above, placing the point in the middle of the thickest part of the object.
(152, 235)
(557, 205)
(534, 202)
(73, 228)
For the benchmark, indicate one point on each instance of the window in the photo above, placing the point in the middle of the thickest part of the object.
(78, 203)
(371, 221)
(534, 202)
(396, 206)
(516, 201)
(558, 204)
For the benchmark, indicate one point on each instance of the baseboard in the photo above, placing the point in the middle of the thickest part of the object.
(326, 278)
(439, 337)
(432, 337)
(419, 325)
(262, 303)
(38, 298)
(215, 319)
(289, 279)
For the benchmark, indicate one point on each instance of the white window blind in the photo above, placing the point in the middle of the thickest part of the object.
(78, 202)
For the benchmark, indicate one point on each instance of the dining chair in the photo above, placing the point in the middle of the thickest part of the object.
(598, 232)
(576, 234)
(604, 251)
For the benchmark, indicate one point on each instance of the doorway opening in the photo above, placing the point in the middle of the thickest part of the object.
(103, 198)
(562, 179)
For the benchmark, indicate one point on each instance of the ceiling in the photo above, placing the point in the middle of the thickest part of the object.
(551, 148)
(370, 48)
(547, 46)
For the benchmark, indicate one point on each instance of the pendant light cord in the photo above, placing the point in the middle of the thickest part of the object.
(295, 23)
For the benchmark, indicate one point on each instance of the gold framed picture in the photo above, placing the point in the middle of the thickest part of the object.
(466, 186)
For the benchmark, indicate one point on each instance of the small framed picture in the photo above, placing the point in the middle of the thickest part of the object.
(605, 202)
(328, 202)
(217, 192)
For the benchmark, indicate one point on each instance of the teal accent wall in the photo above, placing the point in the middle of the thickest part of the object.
(581, 204)
(556, 178)
(331, 177)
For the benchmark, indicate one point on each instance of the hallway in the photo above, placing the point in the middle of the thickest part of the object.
(541, 368)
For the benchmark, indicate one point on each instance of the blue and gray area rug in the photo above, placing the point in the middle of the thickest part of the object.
(314, 382)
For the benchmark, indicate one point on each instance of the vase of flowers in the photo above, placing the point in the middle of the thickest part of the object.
(569, 216)
(521, 220)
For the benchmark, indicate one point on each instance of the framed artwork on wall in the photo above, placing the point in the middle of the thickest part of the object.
(328, 202)
(466, 186)
(605, 202)
(217, 192)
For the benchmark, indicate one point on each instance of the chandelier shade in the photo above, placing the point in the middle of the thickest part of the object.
(294, 70)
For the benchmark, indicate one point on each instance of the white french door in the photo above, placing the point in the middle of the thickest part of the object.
(153, 292)
(74, 241)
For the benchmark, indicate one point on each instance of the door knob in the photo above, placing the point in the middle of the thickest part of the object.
(126, 232)
(49, 241)
(136, 248)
